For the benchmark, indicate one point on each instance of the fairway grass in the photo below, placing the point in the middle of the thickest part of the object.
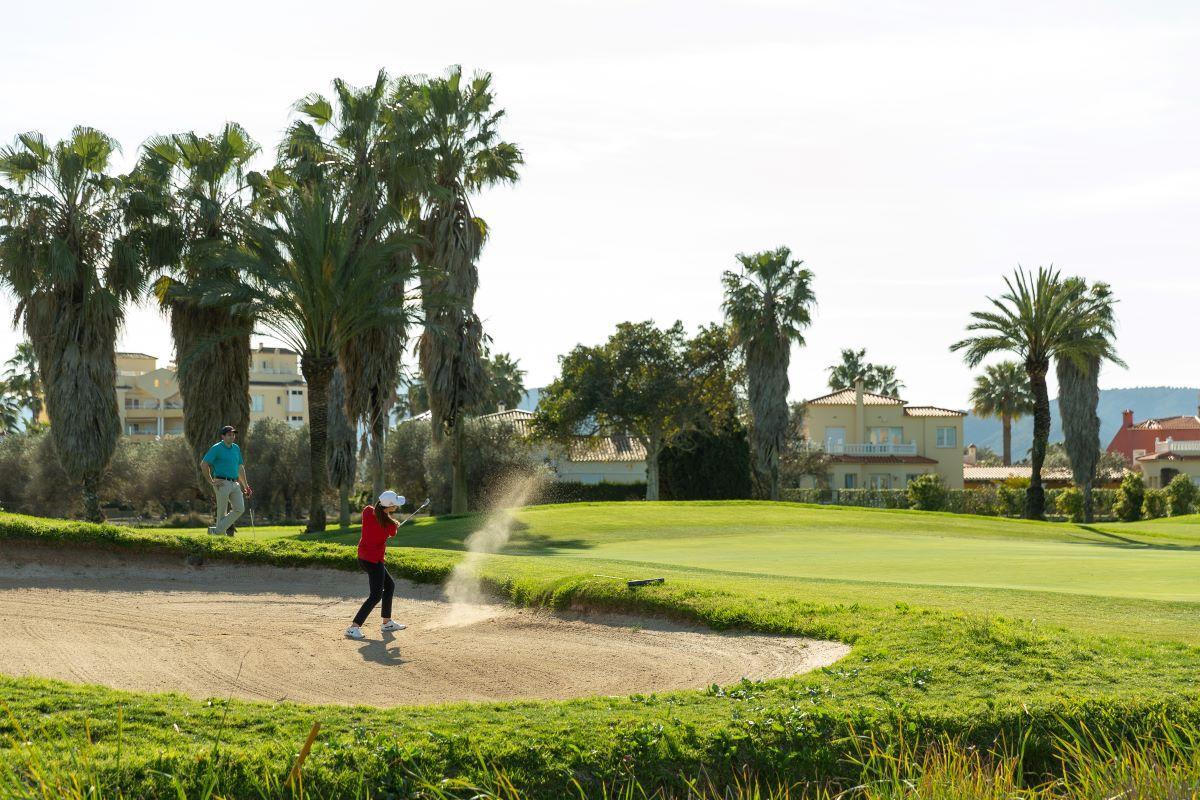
(980, 628)
(1093, 578)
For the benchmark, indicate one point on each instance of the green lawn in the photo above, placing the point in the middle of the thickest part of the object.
(983, 628)
(1095, 578)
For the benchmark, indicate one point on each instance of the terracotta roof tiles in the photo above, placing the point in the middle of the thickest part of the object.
(845, 397)
(606, 448)
(1169, 423)
(931, 411)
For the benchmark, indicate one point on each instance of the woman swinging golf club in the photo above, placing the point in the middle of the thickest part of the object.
(377, 527)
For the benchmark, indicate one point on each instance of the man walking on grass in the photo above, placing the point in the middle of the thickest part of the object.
(224, 468)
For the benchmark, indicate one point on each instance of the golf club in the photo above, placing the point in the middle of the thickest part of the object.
(413, 514)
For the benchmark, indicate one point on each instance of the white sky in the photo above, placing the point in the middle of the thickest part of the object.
(910, 152)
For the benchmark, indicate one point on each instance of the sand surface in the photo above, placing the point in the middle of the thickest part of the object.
(266, 633)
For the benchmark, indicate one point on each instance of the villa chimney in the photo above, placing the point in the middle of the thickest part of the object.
(972, 455)
(501, 407)
(1127, 418)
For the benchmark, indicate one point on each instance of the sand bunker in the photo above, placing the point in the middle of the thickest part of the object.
(265, 633)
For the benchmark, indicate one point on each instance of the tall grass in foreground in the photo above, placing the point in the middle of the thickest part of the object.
(1092, 766)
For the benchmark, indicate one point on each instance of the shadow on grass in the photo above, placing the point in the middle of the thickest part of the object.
(1125, 543)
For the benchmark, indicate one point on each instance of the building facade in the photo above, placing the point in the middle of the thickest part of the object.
(880, 442)
(1169, 457)
(150, 405)
(1136, 439)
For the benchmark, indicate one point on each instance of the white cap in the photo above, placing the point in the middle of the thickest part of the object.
(390, 498)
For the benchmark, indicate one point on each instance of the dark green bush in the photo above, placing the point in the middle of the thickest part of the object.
(1154, 504)
(706, 465)
(1069, 503)
(1130, 497)
(927, 493)
(574, 492)
(1181, 495)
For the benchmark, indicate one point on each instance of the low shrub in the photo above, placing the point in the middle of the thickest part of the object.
(1011, 494)
(814, 496)
(1154, 504)
(927, 493)
(1069, 503)
(1181, 496)
(1130, 497)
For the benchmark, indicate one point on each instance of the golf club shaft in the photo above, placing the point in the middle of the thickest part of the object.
(413, 514)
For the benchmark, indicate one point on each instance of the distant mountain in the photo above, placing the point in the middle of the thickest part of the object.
(1146, 402)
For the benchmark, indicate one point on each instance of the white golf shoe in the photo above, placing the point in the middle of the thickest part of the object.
(354, 632)
(392, 625)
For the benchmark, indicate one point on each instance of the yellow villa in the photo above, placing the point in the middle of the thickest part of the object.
(150, 406)
(880, 442)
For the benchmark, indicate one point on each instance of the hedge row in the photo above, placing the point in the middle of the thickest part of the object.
(573, 492)
(1002, 501)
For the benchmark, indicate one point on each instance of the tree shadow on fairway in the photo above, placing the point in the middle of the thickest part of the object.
(1125, 543)
(380, 651)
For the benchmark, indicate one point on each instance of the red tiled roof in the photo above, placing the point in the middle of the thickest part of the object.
(606, 448)
(1170, 456)
(1169, 423)
(931, 411)
(975, 473)
(881, 460)
(516, 417)
(845, 397)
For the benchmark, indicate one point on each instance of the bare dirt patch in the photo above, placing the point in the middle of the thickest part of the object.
(266, 633)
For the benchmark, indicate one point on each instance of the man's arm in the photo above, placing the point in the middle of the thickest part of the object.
(206, 468)
(243, 479)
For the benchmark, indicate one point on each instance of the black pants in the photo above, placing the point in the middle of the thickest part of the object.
(382, 587)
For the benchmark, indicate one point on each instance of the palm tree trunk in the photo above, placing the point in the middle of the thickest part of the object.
(1035, 495)
(653, 447)
(1006, 422)
(317, 369)
(378, 434)
(458, 486)
(212, 350)
(344, 507)
(91, 498)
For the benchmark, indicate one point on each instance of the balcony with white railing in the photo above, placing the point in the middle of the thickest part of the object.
(1170, 445)
(864, 448)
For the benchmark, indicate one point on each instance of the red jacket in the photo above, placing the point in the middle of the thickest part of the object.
(374, 537)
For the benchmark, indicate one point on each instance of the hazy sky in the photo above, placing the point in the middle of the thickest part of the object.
(911, 153)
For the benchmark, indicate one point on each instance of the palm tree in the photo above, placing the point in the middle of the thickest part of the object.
(768, 304)
(878, 378)
(10, 410)
(345, 142)
(504, 383)
(64, 254)
(315, 281)
(343, 450)
(1039, 318)
(191, 193)
(884, 379)
(1079, 394)
(447, 132)
(852, 368)
(1003, 391)
(24, 380)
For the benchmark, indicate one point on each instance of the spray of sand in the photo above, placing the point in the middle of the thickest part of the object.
(468, 604)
